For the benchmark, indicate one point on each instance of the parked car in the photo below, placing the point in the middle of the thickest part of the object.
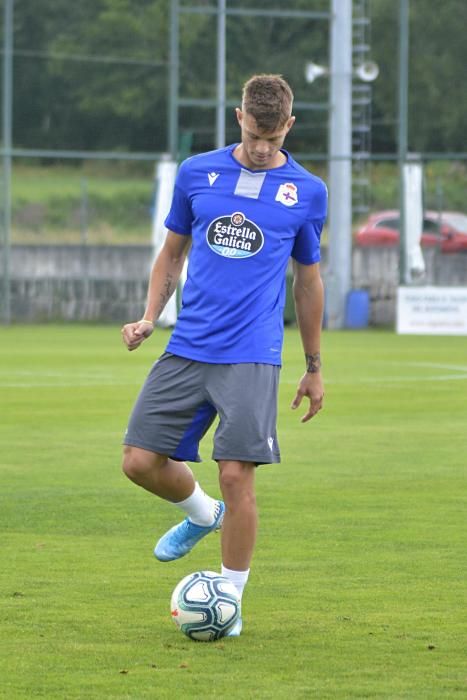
(447, 229)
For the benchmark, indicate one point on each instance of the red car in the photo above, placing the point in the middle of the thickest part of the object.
(447, 229)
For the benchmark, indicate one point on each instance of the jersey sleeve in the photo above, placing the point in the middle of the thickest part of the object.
(306, 249)
(180, 217)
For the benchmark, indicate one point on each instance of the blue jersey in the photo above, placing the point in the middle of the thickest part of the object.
(245, 225)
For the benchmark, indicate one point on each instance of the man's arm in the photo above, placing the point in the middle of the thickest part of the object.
(309, 303)
(163, 281)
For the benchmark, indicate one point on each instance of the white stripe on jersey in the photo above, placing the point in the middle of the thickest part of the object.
(249, 184)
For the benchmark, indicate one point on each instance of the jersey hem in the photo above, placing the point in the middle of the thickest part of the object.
(209, 360)
(176, 229)
(302, 261)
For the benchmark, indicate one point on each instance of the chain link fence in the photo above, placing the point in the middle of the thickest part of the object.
(82, 176)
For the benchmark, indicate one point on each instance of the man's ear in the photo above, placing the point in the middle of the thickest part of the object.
(239, 115)
(290, 123)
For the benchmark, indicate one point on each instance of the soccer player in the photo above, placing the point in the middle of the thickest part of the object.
(241, 212)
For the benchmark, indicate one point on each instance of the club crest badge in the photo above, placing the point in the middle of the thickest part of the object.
(287, 194)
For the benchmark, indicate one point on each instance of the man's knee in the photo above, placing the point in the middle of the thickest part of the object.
(237, 480)
(137, 462)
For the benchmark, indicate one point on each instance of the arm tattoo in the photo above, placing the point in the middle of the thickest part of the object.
(313, 362)
(166, 293)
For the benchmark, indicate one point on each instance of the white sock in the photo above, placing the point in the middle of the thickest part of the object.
(199, 507)
(238, 578)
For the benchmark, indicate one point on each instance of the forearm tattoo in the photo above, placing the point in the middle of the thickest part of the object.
(166, 292)
(313, 362)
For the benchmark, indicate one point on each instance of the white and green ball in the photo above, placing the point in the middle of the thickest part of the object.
(205, 606)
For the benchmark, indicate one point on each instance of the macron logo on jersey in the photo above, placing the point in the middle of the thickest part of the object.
(212, 177)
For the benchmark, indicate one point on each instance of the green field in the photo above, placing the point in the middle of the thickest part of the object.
(358, 586)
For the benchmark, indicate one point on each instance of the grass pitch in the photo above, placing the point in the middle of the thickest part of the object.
(358, 584)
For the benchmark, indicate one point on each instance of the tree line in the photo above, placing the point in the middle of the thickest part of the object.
(93, 75)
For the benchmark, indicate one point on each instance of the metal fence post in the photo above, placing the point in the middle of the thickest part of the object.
(402, 130)
(7, 148)
(221, 48)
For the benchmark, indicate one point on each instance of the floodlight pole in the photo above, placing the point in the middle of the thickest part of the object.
(221, 49)
(403, 130)
(340, 164)
(7, 149)
(174, 67)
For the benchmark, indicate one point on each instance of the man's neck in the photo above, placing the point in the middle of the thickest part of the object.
(240, 155)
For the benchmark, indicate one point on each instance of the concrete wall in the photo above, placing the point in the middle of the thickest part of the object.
(109, 283)
(376, 270)
(78, 283)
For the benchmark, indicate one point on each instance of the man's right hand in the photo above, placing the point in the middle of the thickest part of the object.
(133, 334)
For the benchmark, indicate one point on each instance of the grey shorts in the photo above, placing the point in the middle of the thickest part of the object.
(181, 398)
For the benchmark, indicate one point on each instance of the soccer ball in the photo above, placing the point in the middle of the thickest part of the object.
(205, 606)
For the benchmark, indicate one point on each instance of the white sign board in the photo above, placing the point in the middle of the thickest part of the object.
(432, 310)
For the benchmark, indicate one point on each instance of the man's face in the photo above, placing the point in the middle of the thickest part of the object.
(261, 148)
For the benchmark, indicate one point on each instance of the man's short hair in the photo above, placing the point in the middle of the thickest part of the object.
(268, 98)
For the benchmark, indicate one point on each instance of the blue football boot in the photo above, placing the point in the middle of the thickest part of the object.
(181, 538)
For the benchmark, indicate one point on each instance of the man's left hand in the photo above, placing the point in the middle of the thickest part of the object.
(310, 385)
